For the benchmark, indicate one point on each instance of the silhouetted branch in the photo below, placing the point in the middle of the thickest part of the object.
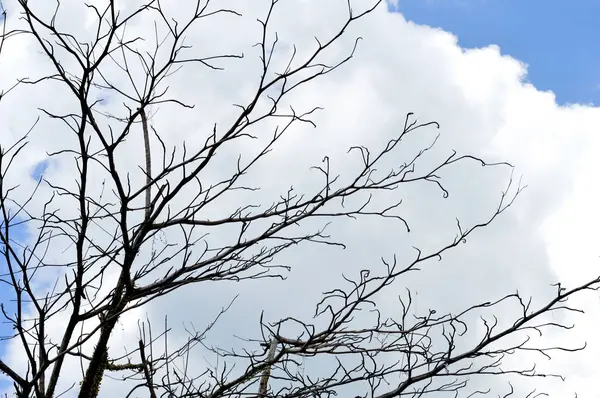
(113, 241)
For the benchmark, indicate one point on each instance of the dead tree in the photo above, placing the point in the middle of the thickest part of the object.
(106, 225)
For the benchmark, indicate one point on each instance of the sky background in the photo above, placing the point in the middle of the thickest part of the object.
(478, 98)
(556, 39)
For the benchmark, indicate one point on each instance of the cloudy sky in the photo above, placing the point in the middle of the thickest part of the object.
(500, 87)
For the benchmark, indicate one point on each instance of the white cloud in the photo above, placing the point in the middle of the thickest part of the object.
(478, 96)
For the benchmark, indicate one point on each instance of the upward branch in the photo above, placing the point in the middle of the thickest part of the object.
(148, 209)
(264, 379)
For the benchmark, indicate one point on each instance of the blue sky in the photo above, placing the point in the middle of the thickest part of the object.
(17, 233)
(557, 39)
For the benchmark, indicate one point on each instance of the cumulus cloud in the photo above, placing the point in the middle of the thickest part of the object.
(484, 107)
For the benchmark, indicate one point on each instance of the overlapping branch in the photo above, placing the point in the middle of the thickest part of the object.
(108, 225)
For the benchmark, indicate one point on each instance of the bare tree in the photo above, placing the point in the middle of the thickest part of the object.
(99, 279)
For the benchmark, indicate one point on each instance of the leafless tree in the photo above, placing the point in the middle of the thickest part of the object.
(410, 355)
